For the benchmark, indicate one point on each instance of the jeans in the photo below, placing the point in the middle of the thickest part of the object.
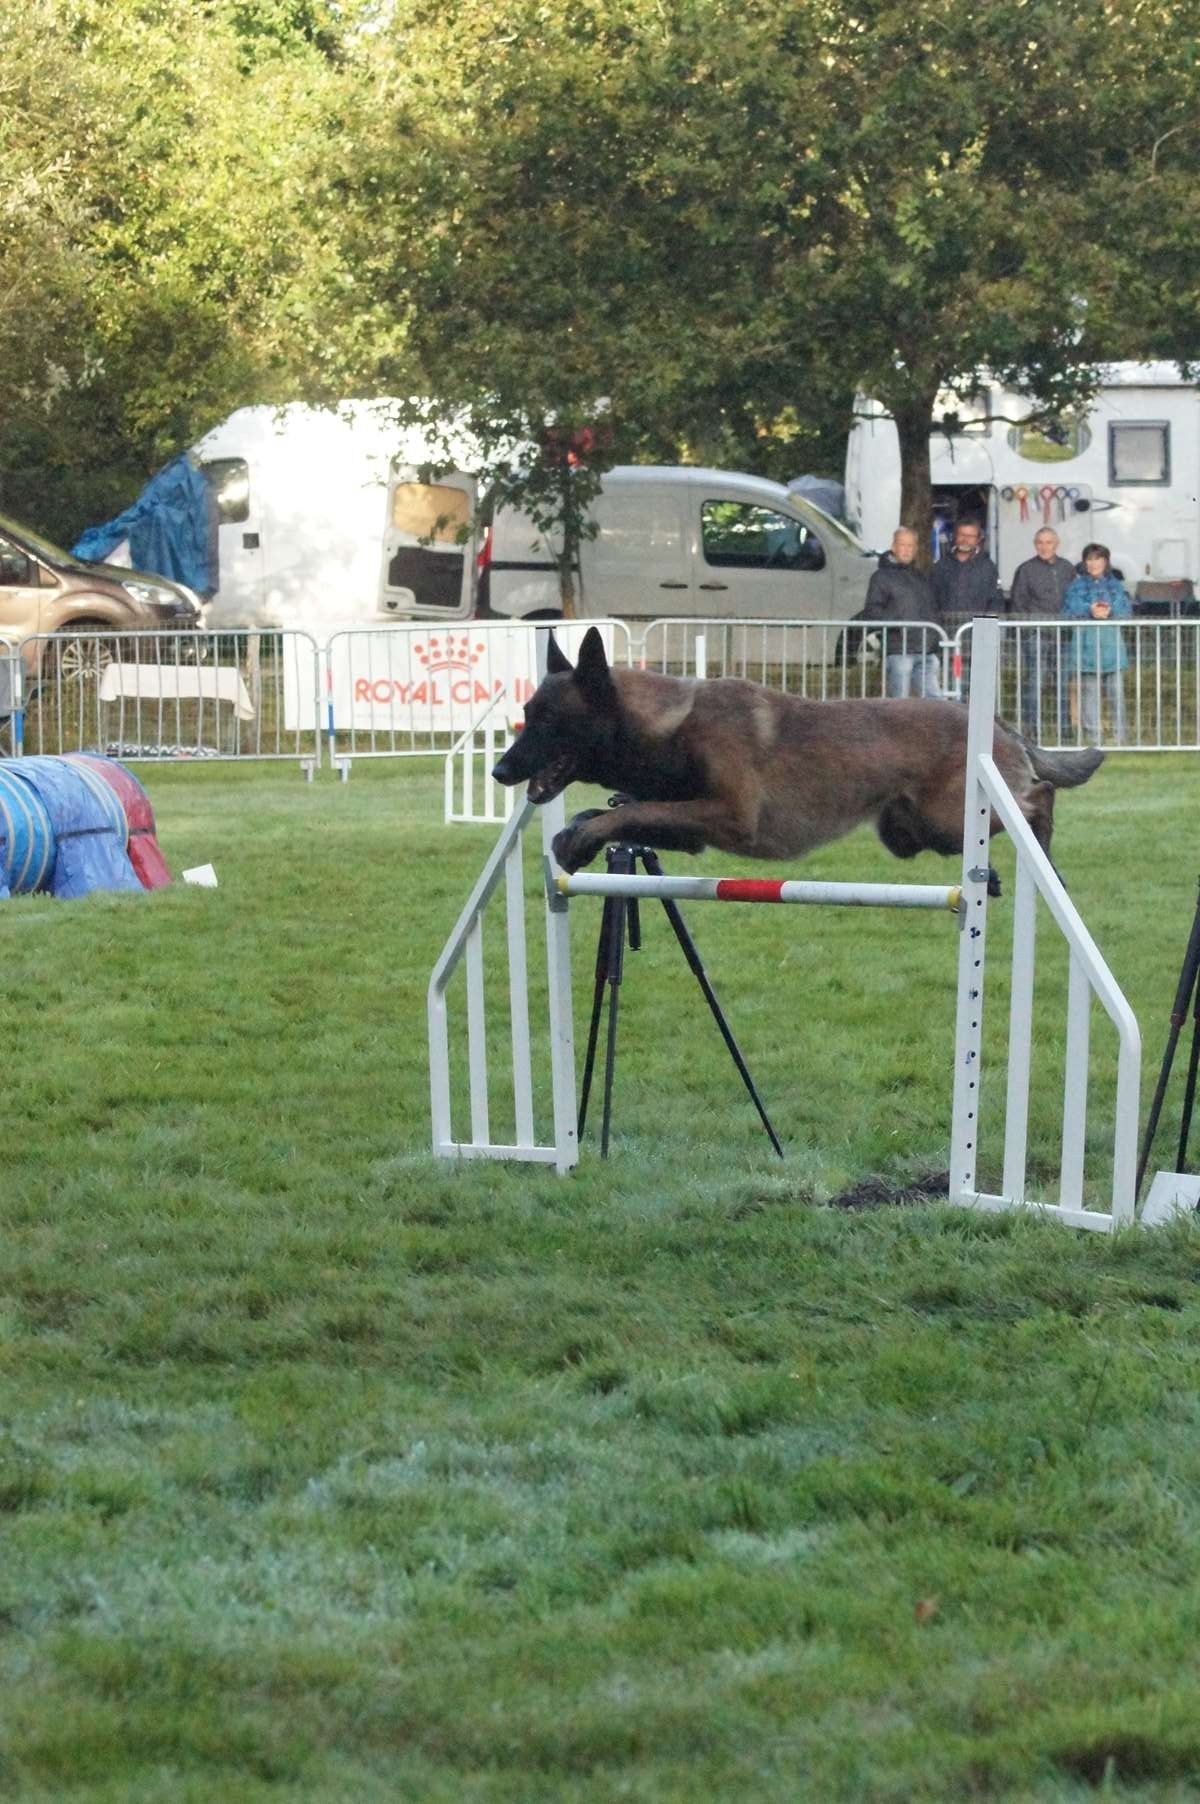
(1042, 675)
(911, 673)
(1112, 682)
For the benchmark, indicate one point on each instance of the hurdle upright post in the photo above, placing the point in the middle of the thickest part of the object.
(972, 946)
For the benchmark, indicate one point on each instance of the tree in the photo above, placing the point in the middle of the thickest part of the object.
(569, 224)
(172, 192)
(709, 220)
(988, 184)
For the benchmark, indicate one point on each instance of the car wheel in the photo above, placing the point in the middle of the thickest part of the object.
(78, 655)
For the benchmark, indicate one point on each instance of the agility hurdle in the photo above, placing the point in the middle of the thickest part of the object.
(986, 793)
(756, 889)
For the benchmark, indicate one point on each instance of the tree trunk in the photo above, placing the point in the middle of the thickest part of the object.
(570, 544)
(914, 423)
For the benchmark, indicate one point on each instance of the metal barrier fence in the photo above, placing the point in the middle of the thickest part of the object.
(1053, 682)
(413, 690)
(417, 690)
(10, 698)
(140, 696)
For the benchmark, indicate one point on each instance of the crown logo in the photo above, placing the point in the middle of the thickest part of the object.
(454, 652)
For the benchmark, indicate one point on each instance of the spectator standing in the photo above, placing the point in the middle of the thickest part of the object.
(897, 595)
(1097, 655)
(1039, 587)
(965, 582)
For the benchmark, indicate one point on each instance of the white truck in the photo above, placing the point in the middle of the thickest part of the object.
(1125, 472)
(323, 521)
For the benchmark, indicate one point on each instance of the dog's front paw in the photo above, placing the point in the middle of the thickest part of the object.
(573, 846)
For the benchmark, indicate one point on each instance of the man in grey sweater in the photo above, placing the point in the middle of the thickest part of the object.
(1039, 585)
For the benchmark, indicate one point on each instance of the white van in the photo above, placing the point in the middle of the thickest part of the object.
(323, 520)
(676, 541)
(1125, 472)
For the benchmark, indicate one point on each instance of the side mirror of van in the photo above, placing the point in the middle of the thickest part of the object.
(810, 554)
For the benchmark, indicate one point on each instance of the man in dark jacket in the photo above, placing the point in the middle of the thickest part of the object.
(965, 582)
(1039, 585)
(898, 594)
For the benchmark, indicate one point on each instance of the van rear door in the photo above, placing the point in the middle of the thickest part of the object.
(238, 574)
(427, 552)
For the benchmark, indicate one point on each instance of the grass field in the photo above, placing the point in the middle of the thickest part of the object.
(331, 1473)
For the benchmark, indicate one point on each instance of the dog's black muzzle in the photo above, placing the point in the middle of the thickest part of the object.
(506, 771)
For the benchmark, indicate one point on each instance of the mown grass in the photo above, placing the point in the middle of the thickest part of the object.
(328, 1472)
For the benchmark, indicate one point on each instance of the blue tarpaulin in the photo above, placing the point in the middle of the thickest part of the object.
(167, 528)
(90, 829)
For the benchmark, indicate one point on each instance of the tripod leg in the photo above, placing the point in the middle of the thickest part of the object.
(610, 1061)
(1189, 1092)
(1183, 995)
(1160, 1091)
(688, 948)
(589, 1062)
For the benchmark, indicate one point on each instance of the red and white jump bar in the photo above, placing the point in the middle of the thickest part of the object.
(757, 889)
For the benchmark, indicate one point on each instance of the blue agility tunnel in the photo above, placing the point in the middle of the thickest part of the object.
(90, 832)
(27, 845)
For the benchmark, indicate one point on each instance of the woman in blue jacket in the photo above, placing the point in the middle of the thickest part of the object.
(1097, 655)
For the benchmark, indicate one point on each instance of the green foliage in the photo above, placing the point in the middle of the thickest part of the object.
(715, 225)
(720, 228)
(171, 185)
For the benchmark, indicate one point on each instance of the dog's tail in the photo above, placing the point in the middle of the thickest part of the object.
(1066, 770)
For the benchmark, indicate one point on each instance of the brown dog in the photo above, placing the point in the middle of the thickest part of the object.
(733, 765)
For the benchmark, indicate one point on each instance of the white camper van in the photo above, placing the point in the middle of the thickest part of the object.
(323, 520)
(1126, 472)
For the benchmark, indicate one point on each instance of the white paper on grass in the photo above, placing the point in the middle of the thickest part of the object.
(201, 874)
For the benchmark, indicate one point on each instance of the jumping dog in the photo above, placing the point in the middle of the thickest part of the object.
(730, 764)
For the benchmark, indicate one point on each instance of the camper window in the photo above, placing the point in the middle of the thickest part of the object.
(1139, 452)
(739, 536)
(229, 480)
(1051, 441)
(431, 511)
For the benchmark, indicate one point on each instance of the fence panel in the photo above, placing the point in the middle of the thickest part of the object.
(413, 690)
(821, 660)
(10, 698)
(163, 696)
(1055, 684)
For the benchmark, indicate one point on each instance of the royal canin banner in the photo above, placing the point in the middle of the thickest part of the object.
(427, 678)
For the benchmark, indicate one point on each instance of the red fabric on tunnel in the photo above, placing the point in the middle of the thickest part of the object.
(144, 854)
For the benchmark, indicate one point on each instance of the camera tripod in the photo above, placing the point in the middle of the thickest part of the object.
(621, 921)
(1187, 993)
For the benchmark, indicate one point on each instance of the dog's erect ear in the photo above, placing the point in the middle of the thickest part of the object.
(556, 658)
(592, 673)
